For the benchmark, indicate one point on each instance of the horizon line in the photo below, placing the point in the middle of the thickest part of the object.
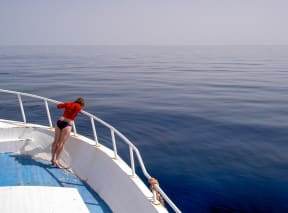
(142, 45)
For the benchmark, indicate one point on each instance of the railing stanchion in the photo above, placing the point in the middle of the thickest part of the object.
(48, 113)
(22, 108)
(74, 129)
(94, 132)
(132, 160)
(114, 143)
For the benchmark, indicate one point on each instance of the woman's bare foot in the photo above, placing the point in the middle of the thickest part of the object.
(56, 163)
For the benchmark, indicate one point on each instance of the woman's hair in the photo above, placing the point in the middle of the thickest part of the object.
(80, 101)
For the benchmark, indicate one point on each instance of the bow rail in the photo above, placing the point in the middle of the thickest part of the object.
(132, 148)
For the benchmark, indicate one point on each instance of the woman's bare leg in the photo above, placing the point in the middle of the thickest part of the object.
(65, 133)
(55, 143)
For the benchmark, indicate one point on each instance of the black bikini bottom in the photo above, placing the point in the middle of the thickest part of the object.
(63, 124)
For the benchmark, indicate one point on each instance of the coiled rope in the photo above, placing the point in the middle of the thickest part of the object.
(153, 182)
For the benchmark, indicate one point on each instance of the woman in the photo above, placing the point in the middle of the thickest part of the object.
(64, 126)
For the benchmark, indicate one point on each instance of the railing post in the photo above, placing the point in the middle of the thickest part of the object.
(48, 113)
(132, 160)
(94, 132)
(22, 108)
(114, 143)
(74, 129)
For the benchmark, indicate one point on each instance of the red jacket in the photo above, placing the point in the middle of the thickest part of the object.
(71, 109)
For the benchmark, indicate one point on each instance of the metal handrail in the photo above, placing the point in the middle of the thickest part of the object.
(113, 131)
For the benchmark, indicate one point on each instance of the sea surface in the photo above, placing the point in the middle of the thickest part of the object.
(211, 122)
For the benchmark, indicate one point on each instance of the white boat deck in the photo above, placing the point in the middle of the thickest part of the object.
(35, 199)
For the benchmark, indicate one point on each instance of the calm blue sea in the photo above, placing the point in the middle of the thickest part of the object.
(211, 122)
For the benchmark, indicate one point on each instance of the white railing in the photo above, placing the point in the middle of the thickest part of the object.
(132, 148)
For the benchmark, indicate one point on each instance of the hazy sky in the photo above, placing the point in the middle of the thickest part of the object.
(143, 22)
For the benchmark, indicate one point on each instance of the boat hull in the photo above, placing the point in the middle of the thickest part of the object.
(111, 178)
